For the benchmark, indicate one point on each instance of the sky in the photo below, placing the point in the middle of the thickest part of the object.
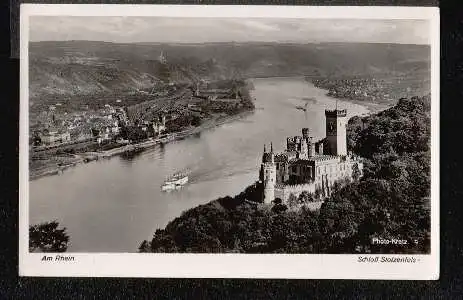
(200, 30)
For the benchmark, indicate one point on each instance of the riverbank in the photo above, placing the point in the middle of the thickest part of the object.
(372, 107)
(144, 145)
(55, 169)
(87, 157)
(121, 200)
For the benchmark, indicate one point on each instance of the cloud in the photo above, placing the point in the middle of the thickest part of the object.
(259, 25)
(161, 29)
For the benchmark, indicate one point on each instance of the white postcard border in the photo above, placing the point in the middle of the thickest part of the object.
(321, 266)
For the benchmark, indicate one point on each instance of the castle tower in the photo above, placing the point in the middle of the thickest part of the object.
(320, 148)
(336, 121)
(268, 175)
(162, 58)
(305, 133)
(304, 154)
(197, 89)
(311, 147)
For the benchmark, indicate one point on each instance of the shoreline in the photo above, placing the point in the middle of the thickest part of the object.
(372, 108)
(88, 157)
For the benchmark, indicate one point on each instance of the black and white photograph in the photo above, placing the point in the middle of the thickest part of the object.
(238, 135)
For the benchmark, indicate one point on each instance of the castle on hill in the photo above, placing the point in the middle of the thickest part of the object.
(310, 166)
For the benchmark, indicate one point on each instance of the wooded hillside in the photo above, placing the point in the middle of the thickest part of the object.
(391, 201)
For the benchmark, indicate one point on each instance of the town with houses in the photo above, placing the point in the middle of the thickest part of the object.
(64, 128)
(60, 135)
(54, 128)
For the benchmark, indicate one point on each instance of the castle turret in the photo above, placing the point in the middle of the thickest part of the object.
(290, 144)
(304, 153)
(268, 157)
(162, 58)
(197, 89)
(268, 175)
(320, 148)
(311, 147)
(305, 133)
(336, 121)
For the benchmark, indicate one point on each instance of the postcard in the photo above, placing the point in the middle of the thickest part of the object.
(229, 142)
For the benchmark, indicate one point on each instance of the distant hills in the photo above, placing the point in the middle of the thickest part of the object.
(73, 68)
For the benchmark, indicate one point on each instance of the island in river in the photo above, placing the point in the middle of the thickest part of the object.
(111, 205)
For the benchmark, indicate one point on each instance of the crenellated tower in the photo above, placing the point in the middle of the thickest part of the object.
(336, 121)
(268, 175)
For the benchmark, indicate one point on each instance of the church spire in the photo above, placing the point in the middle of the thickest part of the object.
(265, 149)
(271, 147)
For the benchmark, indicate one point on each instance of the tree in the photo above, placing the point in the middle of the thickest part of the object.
(279, 208)
(355, 172)
(196, 121)
(144, 247)
(310, 198)
(277, 201)
(305, 197)
(46, 237)
(292, 200)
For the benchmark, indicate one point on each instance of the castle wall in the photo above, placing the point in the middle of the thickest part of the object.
(332, 170)
(313, 206)
(284, 191)
(282, 172)
(327, 173)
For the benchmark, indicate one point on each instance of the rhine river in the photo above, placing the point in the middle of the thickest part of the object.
(113, 205)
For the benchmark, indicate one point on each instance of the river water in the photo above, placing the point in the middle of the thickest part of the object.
(112, 205)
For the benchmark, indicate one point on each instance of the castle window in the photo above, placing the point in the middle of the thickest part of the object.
(278, 166)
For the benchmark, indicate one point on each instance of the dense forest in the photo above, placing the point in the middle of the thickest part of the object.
(391, 201)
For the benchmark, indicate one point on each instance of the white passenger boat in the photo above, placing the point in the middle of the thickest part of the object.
(177, 181)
